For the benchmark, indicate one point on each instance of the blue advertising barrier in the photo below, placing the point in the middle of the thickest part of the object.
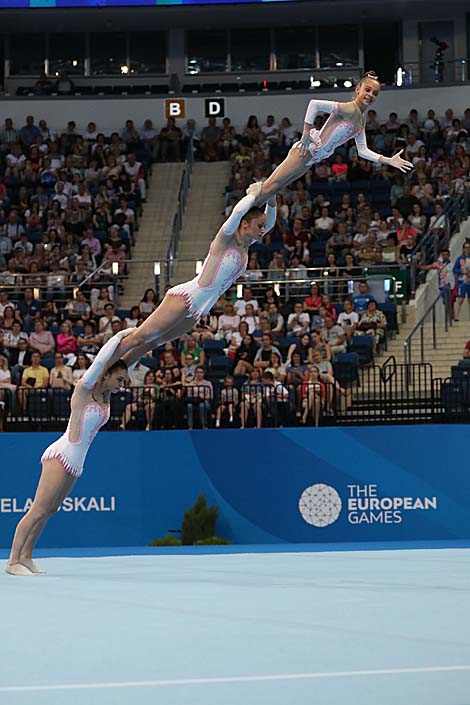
(403, 483)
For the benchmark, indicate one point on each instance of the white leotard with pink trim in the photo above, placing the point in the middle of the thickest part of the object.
(93, 416)
(72, 454)
(226, 263)
(334, 133)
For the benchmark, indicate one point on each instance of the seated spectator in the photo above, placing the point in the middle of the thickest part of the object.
(148, 303)
(42, 340)
(169, 408)
(298, 322)
(245, 356)
(270, 297)
(89, 342)
(372, 322)
(334, 335)
(276, 320)
(144, 401)
(12, 336)
(250, 318)
(238, 336)
(205, 328)
(34, 377)
(199, 393)
(348, 319)
(361, 300)
(303, 348)
(61, 375)
(313, 301)
(329, 306)
(407, 249)
(81, 365)
(210, 137)
(20, 358)
(340, 241)
(78, 310)
(276, 368)
(188, 368)
(247, 298)
(317, 342)
(67, 342)
(313, 396)
(29, 307)
(9, 318)
(324, 225)
(391, 250)
(228, 401)
(296, 370)
(228, 322)
(134, 318)
(263, 356)
(277, 267)
(106, 321)
(274, 398)
(191, 346)
(168, 362)
(326, 375)
(251, 398)
(405, 232)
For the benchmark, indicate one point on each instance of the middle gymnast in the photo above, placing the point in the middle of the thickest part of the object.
(186, 303)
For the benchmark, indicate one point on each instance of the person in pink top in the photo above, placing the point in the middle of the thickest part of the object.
(186, 303)
(62, 462)
(346, 121)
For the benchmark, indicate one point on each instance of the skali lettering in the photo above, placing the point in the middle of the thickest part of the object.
(12, 505)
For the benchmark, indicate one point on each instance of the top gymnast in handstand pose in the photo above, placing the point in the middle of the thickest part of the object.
(185, 303)
(62, 462)
(346, 121)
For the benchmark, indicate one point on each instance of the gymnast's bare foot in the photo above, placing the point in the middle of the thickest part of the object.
(17, 569)
(31, 565)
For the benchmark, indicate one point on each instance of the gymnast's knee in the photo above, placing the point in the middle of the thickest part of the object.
(141, 337)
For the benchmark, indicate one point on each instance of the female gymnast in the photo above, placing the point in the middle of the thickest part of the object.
(346, 121)
(185, 303)
(62, 462)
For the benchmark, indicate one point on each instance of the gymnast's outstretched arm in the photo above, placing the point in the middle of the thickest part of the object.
(100, 363)
(243, 206)
(395, 161)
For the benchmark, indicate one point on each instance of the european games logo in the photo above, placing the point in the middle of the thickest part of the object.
(320, 505)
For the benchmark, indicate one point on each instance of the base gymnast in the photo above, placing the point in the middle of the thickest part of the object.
(186, 303)
(62, 462)
(346, 121)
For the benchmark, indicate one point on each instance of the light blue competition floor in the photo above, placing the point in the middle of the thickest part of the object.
(326, 628)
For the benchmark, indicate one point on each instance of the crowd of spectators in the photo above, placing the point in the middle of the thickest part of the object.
(249, 361)
(71, 201)
(348, 210)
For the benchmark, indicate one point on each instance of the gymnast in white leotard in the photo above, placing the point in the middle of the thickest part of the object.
(346, 121)
(185, 303)
(62, 462)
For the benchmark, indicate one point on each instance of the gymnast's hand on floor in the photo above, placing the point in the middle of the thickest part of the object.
(400, 163)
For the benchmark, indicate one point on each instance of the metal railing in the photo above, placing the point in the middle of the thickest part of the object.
(178, 218)
(443, 298)
(456, 210)
(433, 71)
(391, 394)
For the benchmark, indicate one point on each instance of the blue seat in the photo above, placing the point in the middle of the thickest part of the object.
(37, 406)
(214, 347)
(118, 404)
(150, 362)
(60, 403)
(362, 345)
(390, 311)
(220, 363)
(346, 367)
(48, 362)
(78, 330)
(454, 397)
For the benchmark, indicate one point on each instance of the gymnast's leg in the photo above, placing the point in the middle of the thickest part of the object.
(292, 168)
(54, 485)
(155, 330)
(180, 328)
